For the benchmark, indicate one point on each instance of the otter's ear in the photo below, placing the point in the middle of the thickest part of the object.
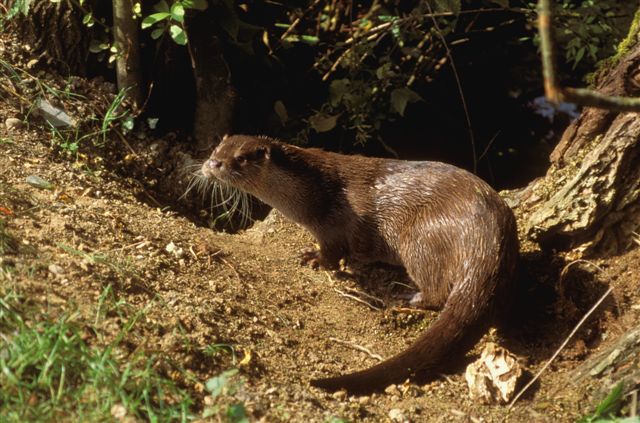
(225, 136)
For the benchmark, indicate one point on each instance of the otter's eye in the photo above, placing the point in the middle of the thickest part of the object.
(241, 159)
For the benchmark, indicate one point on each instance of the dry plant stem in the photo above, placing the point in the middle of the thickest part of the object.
(357, 347)
(364, 294)
(360, 300)
(582, 96)
(564, 344)
(407, 310)
(634, 404)
(235, 272)
(193, 253)
(298, 19)
(126, 143)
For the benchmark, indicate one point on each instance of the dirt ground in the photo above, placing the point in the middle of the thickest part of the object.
(98, 226)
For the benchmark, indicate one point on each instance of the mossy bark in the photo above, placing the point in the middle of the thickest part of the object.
(589, 201)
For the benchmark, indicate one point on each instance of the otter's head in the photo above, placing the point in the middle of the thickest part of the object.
(238, 160)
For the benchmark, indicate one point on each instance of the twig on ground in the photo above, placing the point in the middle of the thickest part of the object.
(125, 142)
(408, 310)
(193, 253)
(235, 272)
(564, 344)
(360, 300)
(357, 347)
(364, 294)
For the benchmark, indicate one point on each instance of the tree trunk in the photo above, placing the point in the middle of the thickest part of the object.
(214, 93)
(125, 34)
(589, 199)
(589, 202)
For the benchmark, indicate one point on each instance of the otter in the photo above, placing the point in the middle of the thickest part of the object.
(450, 230)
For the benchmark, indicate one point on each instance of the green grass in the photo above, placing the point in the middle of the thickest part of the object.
(49, 372)
(609, 409)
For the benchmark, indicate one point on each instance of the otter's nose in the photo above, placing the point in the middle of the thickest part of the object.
(214, 164)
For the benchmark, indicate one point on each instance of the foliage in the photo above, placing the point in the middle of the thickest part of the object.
(49, 371)
(171, 18)
(608, 408)
(375, 58)
(587, 30)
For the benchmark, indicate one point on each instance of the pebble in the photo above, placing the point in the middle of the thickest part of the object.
(56, 270)
(118, 411)
(38, 182)
(396, 415)
(13, 123)
(392, 390)
(339, 395)
(364, 400)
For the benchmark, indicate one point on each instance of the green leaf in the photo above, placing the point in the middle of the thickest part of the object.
(195, 4)
(237, 413)
(322, 122)
(579, 55)
(96, 46)
(216, 384)
(178, 34)
(162, 6)
(154, 18)
(177, 12)
(337, 90)
(157, 33)
(611, 404)
(310, 39)
(88, 20)
(400, 97)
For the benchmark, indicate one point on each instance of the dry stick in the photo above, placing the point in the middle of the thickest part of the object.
(582, 96)
(360, 300)
(460, 91)
(486, 149)
(232, 268)
(298, 19)
(387, 25)
(125, 142)
(357, 347)
(364, 294)
(564, 344)
(193, 253)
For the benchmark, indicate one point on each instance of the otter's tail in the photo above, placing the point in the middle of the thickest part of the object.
(458, 327)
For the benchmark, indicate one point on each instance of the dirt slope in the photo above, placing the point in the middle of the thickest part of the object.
(285, 323)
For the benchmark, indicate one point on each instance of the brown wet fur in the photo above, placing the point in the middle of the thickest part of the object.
(451, 231)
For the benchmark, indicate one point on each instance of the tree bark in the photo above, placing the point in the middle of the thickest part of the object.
(125, 34)
(589, 199)
(215, 96)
